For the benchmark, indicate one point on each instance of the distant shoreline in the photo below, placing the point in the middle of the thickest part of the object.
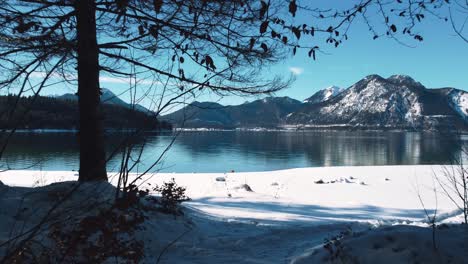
(312, 129)
(47, 130)
(256, 129)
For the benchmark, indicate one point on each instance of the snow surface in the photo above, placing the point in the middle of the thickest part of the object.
(292, 195)
(283, 219)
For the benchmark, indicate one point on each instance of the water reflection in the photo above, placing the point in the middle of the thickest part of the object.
(327, 148)
(217, 151)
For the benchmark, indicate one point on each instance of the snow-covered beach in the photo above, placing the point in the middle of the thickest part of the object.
(278, 216)
(367, 193)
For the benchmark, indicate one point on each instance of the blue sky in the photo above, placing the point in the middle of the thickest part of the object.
(441, 60)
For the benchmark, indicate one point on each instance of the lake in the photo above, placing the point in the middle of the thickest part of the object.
(222, 151)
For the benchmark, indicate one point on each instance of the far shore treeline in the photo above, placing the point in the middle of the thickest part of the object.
(54, 113)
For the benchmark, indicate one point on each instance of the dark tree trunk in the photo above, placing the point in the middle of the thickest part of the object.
(90, 137)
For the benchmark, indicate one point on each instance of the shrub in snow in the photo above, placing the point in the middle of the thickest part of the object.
(454, 183)
(172, 196)
(454, 179)
(220, 179)
(319, 182)
(131, 196)
(76, 223)
(100, 238)
(334, 246)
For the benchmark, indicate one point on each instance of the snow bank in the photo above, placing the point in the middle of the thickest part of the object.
(265, 217)
(35, 211)
(395, 244)
(375, 194)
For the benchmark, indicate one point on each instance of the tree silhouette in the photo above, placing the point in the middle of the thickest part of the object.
(221, 46)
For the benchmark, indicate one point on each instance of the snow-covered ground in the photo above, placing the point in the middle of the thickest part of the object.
(368, 193)
(284, 217)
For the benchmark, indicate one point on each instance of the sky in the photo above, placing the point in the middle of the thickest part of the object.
(441, 60)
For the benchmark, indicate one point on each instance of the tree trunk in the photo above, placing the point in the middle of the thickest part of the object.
(90, 136)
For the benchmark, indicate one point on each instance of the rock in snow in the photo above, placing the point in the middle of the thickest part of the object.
(244, 187)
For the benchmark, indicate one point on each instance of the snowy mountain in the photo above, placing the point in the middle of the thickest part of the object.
(324, 95)
(457, 99)
(267, 112)
(107, 97)
(398, 102)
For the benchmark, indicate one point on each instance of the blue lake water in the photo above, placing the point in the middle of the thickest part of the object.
(221, 151)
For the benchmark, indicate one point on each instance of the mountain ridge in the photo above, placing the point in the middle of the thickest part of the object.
(107, 97)
(374, 102)
(43, 112)
(214, 115)
(397, 102)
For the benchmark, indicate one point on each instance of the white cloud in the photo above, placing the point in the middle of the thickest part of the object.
(120, 80)
(41, 75)
(107, 79)
(296, 70)
(103, 78)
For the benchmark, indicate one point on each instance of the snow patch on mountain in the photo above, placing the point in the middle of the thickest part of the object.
(324, 95)
(459, 100)
(370, 99)
(331, 91)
